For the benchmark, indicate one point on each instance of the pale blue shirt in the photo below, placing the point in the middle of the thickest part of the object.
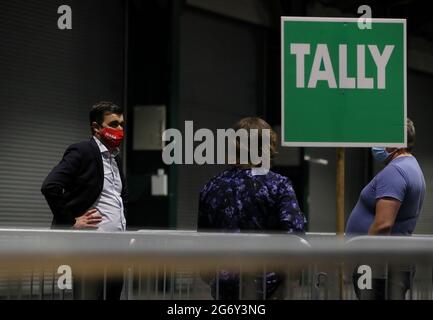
(402, 179)
(110, 203)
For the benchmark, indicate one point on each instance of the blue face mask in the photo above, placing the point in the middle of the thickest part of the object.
(380, 154)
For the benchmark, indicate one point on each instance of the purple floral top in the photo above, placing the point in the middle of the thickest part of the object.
(236, 200)
(239, 200)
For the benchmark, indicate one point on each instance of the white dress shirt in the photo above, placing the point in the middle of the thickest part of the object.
(110, 203)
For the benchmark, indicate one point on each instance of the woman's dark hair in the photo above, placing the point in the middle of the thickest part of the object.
(410, 135)
(100, 109)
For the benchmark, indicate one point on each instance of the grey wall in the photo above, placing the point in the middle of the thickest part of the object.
(253, 11)
(322, 186)
(49, 78)
(219, 84)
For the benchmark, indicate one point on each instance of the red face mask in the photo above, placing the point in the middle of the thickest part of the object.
(112, 137)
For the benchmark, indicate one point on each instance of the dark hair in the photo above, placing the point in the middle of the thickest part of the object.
(100, 109)
(410, 135)
(249, 123)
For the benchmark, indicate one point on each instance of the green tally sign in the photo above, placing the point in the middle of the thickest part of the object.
(343, 86)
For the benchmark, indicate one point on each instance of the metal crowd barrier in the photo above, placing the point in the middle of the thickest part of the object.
(165, 264)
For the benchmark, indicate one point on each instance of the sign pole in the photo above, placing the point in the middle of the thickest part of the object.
(340, 208)
(340, 190)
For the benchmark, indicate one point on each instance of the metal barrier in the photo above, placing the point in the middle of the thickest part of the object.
(166, 264)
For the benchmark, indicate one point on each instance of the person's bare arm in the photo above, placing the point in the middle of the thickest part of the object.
(386, 212)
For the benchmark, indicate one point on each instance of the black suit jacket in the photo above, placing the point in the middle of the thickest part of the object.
(74, 185)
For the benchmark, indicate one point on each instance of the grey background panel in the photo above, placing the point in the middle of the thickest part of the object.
(219, 84)
(49, 78)
(322, 186)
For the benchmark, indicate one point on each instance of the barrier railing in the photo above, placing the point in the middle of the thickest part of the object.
(166, 264)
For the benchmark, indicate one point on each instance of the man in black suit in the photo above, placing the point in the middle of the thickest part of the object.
(87, 189)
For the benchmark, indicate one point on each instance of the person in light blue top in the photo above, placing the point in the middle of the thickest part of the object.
(390, 205)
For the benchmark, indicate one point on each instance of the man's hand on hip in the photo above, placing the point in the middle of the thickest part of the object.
(89, 220)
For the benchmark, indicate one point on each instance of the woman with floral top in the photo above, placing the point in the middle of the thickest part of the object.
(246, 198)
